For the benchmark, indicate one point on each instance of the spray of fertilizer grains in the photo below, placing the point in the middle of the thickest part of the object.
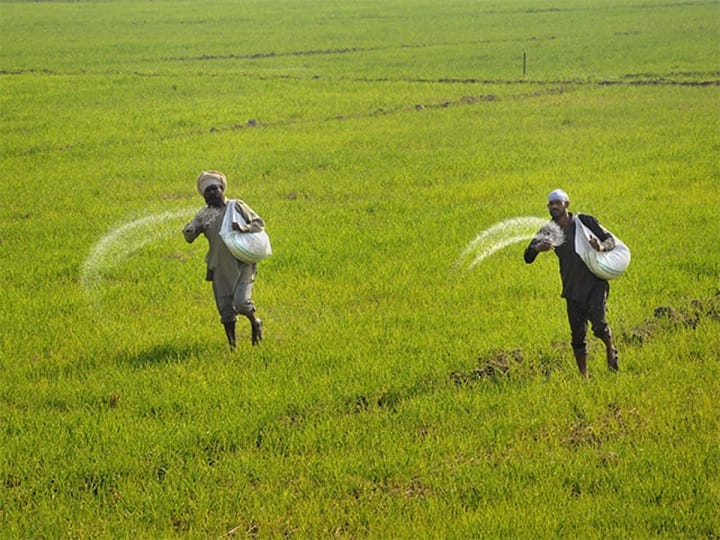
(500, 235)
(122, 242)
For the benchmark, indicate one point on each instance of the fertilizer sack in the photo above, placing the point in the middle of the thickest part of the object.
(246, 247)
(604, 264)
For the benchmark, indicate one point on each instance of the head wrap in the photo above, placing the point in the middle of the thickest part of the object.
(558, 195)
(209, 178)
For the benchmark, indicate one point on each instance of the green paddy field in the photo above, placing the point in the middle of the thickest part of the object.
(416, 378)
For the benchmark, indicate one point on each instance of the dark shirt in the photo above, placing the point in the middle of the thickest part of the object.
(578, 283)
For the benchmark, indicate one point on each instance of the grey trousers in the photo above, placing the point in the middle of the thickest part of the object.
(235, 300)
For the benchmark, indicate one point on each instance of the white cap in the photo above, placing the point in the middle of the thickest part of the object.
(558, 195)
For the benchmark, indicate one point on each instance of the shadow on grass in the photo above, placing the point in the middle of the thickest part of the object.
(160, 354)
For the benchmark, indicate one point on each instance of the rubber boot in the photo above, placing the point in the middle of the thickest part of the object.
(612, 355)
(256, 326)
(581, 359)
(230, 333)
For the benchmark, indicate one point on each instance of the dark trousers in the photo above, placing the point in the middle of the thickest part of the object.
(580, 313)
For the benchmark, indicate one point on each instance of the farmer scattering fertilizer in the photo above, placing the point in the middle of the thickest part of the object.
(237, 241)
(589, 255)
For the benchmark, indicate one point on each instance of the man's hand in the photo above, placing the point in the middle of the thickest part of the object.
(597, 246)
(191, 232)
(543, 245)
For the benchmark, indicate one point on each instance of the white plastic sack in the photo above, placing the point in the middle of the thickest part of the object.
(246, 247)
(604, 264)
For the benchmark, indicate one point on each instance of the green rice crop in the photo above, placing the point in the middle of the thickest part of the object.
(399, 392)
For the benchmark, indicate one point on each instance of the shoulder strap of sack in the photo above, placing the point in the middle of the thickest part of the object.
(593, 224)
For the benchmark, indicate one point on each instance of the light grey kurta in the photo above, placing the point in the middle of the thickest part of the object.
(232, 279)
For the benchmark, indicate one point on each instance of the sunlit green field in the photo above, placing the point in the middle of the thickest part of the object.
(406, 386)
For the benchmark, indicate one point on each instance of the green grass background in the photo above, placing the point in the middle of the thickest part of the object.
(397, 393)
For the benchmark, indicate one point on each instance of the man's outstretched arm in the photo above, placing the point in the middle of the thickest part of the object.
(535, 247)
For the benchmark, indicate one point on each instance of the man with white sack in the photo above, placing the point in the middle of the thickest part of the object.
(232, 278)
(585, 292)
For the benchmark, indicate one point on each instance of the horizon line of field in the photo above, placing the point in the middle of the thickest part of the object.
(346, 50)
(521, 59)
(670, 78)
